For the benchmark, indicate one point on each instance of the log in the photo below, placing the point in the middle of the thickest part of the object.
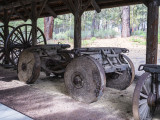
(152, 33)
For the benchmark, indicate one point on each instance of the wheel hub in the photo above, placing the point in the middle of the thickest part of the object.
(24, 67)
(78, 82)
(151, 100)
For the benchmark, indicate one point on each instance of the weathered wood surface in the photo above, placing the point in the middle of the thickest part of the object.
(152, 33)
(29, 67)
(57, 7)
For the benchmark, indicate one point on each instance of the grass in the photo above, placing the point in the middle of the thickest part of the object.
(85, 43)
(138, 40)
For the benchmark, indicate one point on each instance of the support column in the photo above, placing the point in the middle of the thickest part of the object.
(5, 22)
(77, 25)
(75, 6)
(6, 31)
(34, 23)
(152, 33)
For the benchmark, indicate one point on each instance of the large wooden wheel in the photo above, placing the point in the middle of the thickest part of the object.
(85, 79)
(144, 98)
(29, 67)
(123, 80)
(20, 39)
(2, 41)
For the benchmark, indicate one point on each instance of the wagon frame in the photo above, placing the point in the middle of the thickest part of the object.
(34, 9)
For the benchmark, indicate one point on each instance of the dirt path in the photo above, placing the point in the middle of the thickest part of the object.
(51, 101)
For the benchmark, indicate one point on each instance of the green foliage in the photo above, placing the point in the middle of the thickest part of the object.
(60, 36)
(138, 40)
(93, 38)
(70, 40)
(139, 33)
(110, 33)
(88, 42)
(86, 35)
(159, 38)
(40, 23)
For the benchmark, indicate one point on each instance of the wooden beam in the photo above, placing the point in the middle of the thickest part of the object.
(70, 7)
(34, 23)
(86, 6)
(12, 11)
(158, 2)
(20, 15)
(27, 12)
(17, 4)
(95, 6)
(50, 10)
(43, 5)
(152, 33)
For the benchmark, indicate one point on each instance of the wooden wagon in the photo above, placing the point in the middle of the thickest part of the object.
(86, 70)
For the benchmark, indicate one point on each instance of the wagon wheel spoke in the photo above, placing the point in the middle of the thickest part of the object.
(29, 37)
(2, 36)
(2, 29)
(2, 40)
(39, 37)
(144, 99)
(26, 33)
(2, 55)
(19, 39)
(21, 34)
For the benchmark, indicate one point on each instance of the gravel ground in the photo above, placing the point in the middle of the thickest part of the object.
(47, 99)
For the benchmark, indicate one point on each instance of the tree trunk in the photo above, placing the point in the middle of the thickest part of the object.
(48, 27)
(125, 21)
(93, 24)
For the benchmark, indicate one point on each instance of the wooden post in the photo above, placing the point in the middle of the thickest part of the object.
(6, 31)
(77, 25)
(152, 33)
(5, 22)
(75, 6)
(34, 23)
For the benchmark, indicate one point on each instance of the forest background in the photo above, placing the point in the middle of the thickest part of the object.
(109, 23)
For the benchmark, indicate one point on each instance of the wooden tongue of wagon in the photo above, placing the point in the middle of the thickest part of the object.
(86, 70)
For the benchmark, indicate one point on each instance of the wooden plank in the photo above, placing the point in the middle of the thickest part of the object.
(43, 6)
(71, 8)
(86, 6)
(96, 6)
(20, 15)
(152, 33)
